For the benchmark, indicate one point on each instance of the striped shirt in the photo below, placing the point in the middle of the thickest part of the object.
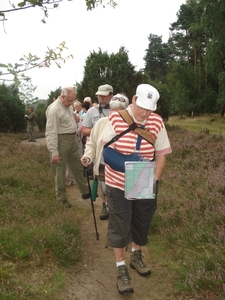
(126, 144)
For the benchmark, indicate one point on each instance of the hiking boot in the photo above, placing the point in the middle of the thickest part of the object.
(69, 182)
(137, 263)
(104, 214)
(65, 203)
(123, 280)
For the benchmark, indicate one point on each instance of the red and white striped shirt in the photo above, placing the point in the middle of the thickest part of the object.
(126, 144)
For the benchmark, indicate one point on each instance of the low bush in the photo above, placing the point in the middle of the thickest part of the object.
(190, 219)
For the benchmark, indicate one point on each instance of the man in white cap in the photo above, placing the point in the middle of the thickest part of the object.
(104, 93)
(129, 220)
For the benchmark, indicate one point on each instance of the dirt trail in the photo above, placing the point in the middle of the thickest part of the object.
(95, 277)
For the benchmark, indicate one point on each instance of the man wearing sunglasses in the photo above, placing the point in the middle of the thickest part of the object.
(94, 146)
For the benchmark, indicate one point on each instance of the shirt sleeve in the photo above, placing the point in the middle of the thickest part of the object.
(90, 148)
(109, 133)
(87, 121)
(30, 116)
(162, 144)
(51, 133)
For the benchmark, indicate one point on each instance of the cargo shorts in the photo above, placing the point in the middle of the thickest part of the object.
(129, 220)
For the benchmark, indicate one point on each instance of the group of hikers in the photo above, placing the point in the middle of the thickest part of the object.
(117, 130)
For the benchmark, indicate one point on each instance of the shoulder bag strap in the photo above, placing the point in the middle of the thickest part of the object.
(145, 134)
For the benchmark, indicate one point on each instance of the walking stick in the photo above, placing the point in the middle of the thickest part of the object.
(92, 205)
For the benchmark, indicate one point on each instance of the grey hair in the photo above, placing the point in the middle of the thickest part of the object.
(65, 91)
(117, 104)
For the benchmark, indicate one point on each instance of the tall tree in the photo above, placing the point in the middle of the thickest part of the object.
(183, 88)
(188, 41)
(156, 59)
(12, 110)
(53, 95)
(40, 116)
(214, 21)
(114, 69)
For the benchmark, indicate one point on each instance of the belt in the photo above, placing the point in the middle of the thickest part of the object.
(67, 133)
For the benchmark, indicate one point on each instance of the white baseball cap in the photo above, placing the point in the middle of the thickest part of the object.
(147, 96)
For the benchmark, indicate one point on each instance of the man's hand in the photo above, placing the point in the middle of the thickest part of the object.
(77, 118)
(86, 131)
(55, 159)
(160, 165)
(85, 161)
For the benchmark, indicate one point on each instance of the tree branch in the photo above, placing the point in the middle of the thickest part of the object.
(29, 6)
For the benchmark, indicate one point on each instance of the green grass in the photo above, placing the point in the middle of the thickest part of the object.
(214, 123)
(37, 236)
(40, 240)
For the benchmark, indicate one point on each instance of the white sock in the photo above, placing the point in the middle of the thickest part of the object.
(121, 263)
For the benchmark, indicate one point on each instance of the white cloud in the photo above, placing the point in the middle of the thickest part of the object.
(128, 25)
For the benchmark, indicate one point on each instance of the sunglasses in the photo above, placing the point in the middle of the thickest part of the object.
(118, 98)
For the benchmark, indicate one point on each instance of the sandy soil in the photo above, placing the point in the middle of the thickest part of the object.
(95, 277)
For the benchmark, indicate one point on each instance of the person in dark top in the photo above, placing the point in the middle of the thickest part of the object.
(31, 123)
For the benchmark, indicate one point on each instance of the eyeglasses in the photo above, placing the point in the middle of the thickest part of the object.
(118, 98)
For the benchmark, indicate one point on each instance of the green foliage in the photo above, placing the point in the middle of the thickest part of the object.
(156, 59)
(221, 100)
(53, 95)
(91, 4)
(40, 116)
(114, 69)
(213, 20)
(26, 90)
(45, 5)
(12, 110)
(191, 64)
(164, 103)
(16, 72)
(184, 92)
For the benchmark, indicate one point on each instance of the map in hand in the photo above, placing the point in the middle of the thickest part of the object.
(139, 180)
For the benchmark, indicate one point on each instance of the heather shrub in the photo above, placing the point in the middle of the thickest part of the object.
(190, 218)
(39, 238)
(36, 232)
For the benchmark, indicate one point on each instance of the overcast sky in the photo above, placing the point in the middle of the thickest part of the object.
(128, 25)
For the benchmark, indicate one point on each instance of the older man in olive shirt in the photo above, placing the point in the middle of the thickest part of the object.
(62, 144)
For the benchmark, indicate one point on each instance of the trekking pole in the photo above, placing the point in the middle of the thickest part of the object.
(92, 205)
